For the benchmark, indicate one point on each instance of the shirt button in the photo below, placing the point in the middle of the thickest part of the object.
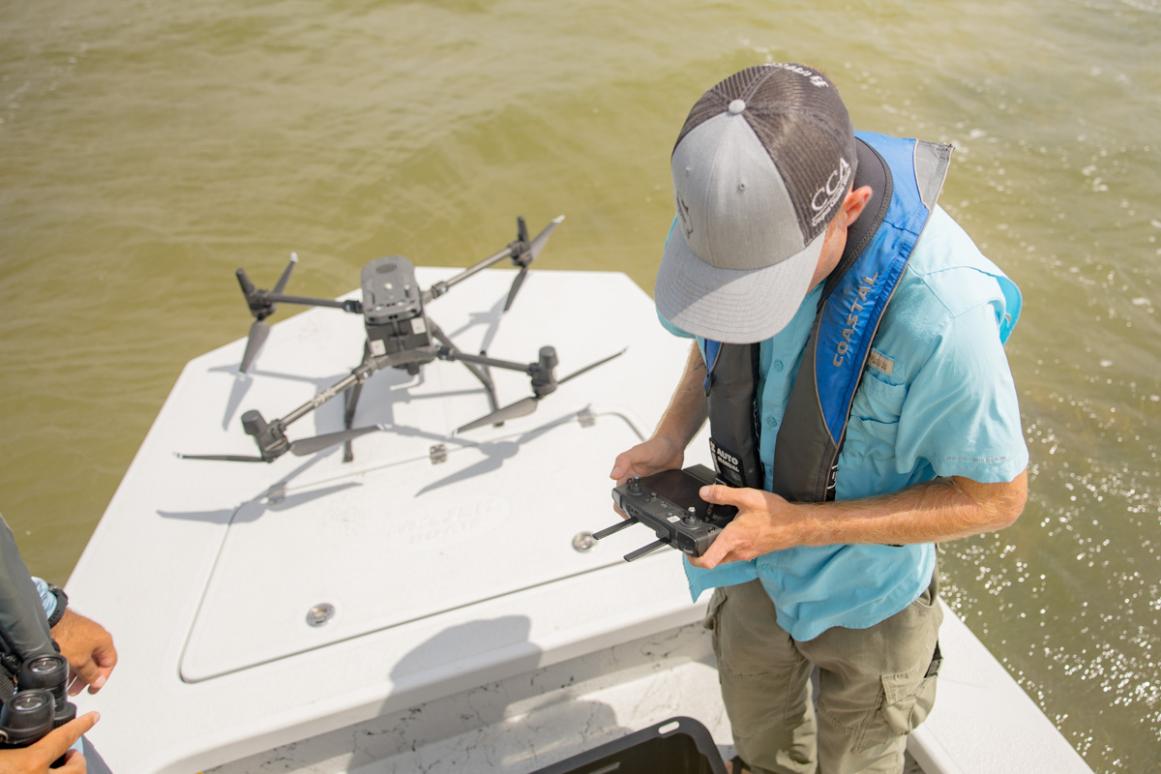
(771, 421)
(778, 365)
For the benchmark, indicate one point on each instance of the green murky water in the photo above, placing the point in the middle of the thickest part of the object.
(148, 148)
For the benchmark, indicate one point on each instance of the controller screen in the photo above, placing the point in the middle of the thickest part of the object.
(678, 487)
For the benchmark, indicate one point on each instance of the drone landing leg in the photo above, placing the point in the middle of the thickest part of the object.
(350, 403)
(481, 374)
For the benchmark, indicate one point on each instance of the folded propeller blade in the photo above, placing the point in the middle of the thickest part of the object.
(526, 406)
(516, 283)
(591, 366)
(315, 443)
(541, 239)
(281, 284)
(258, 333)
(526, 259)
(219, 457)
(520, 408)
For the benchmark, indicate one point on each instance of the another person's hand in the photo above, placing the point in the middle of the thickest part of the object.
(36, 758)
(89, 649)
(653, 456)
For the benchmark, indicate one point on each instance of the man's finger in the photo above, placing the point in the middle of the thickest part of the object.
(622, 466)
(106, 656)
(74, 763)
(729, 495)
(58, 740)
(99, 683)
(76, 685)
(86, 671)
(717, 552)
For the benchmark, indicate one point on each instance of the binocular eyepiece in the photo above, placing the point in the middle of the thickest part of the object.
(39, 705)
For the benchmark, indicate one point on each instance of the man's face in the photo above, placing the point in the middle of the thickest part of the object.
(835, 240)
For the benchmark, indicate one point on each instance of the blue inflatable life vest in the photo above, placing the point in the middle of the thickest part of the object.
(906, 177)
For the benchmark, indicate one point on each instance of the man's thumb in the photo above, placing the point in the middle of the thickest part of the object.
(718, 494)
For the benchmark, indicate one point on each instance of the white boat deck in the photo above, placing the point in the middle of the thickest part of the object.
(468, 634)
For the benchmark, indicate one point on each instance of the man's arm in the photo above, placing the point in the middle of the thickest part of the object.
(944, 509)
(665, 449)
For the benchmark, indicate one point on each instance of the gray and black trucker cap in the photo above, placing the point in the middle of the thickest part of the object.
(760, 167)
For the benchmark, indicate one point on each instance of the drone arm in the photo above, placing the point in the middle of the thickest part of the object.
(350, 305)
(356, 376)
(359, 374)
(453, 354)
(443, 286)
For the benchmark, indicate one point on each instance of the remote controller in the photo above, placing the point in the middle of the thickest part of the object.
(668, 503)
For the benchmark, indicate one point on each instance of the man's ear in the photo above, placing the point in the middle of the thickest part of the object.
(854, 204)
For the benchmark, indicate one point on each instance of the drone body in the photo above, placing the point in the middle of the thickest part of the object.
(393, 310)
(399, 334)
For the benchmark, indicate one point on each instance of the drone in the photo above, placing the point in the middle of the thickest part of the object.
(400, 335)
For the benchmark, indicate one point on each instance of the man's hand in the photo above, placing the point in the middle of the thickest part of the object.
(36, 759)
(653, 456)
(765, 522)
(943, 509)
(88, 647)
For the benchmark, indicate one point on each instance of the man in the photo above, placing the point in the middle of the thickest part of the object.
(860, 404)
(34, 614)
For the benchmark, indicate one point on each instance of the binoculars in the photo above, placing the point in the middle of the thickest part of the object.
(38, 702)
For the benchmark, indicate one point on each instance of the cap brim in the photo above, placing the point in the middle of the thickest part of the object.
(734, 306)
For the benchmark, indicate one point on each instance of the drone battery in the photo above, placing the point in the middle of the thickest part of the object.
(393, 307)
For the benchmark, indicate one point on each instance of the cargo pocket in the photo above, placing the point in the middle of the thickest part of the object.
(907, 702)
(712, 619)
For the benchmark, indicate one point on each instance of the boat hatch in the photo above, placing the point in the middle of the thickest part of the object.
(356, 553)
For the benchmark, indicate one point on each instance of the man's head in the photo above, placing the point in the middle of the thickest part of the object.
(762, 172)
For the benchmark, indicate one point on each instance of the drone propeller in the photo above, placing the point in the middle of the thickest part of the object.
(299, 448)
(305, 446)
(526, 406)
(526, 257)
(258, 333)
(220, 457)
(285, 276)
(520, 408)
(261, 308)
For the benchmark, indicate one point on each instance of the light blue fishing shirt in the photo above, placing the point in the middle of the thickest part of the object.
(937, 400)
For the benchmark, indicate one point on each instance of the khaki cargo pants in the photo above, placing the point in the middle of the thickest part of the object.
(874, 685)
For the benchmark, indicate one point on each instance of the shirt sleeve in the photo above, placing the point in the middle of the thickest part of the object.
(47, 598)
(961, 414)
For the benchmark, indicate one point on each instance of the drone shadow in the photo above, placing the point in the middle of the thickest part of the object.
(496, 452)
(397, 383)
(491, 318)
(243, 382)
(273, 498)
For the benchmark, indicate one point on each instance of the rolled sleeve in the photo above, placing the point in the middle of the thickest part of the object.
(961, 414)
(47, 598)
